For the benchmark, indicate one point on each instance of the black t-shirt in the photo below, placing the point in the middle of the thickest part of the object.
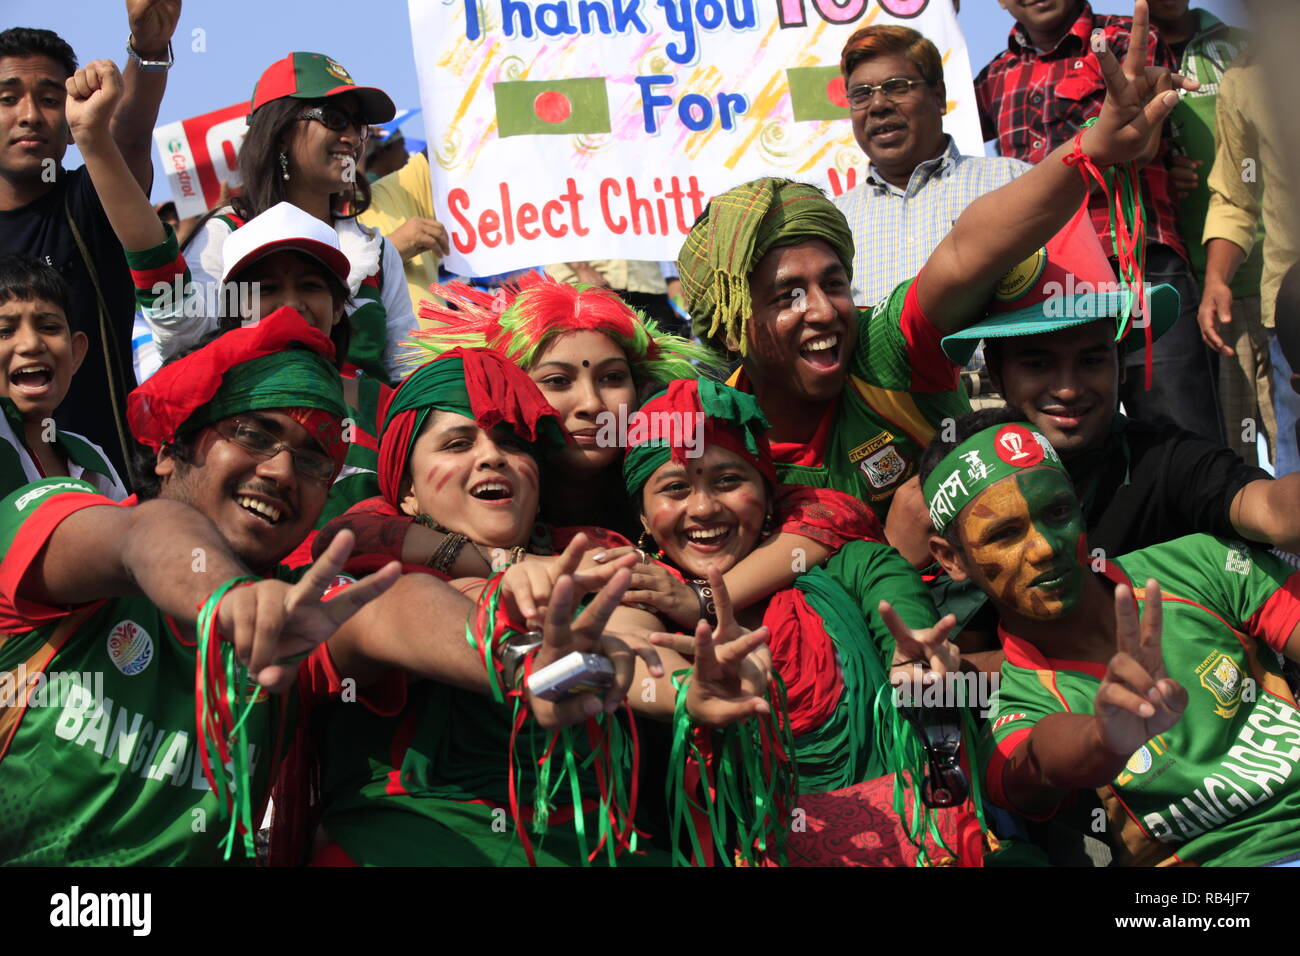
(40, 229)
(1150, 484)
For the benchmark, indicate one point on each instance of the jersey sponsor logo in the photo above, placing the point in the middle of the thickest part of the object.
(1221, 676)
(1261, 764)
(1238, 561)
(1140, 762)
(130, 647)
(44, 490)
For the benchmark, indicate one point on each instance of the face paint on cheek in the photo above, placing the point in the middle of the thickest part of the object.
(999, 560)
(1044, 491)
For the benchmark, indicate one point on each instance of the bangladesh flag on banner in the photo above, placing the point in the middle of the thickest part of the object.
(817, 93)
(552, 107)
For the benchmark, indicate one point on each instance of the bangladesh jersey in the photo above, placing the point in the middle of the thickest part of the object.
(98, 751)
(85, 459)
(1222, 786)
(899, 390)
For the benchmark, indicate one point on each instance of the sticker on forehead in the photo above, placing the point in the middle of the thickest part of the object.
(1017, 446)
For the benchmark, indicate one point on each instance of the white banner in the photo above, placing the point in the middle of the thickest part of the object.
(200, 154)
(579, 129)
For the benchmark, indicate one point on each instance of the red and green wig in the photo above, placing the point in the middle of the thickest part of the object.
(732, 420)
(478, 383)
(521, 320)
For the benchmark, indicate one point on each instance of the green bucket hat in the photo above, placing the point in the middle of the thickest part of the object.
(1068, 282)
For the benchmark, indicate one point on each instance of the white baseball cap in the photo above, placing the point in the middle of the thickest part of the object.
(283, 226)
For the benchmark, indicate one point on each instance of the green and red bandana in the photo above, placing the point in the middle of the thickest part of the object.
(480, 384)
(732, 420)
(281, 363)
(986, 457)
(735, 231)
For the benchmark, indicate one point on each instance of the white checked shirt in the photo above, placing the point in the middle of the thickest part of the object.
(895, 230)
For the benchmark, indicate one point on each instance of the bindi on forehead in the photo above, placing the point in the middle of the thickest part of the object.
(586, 364)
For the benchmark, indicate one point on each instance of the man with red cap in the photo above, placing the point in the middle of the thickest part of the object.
(112, 612)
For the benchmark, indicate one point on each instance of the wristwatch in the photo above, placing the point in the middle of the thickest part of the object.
(151, 66)
(514, 652)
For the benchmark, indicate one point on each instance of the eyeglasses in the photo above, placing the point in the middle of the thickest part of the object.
(257, 441)
(336, 119)
(894, 88)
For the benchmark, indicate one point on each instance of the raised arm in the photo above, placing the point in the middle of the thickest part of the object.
(94, 92)
(1001, 228)
(152, 24)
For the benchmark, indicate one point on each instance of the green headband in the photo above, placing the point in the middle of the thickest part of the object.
(737, 229)
(986, 457)
(294, 378)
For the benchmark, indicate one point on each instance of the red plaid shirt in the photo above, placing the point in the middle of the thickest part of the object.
(1032, 102)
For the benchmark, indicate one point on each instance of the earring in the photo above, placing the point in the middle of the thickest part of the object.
(767, 526)
(284, 166)
(644, 548)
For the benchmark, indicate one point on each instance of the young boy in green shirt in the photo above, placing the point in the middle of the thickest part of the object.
(39, 354)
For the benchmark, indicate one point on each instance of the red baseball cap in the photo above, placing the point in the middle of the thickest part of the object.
(315, 76)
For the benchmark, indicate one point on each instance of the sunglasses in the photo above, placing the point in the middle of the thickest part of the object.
(894, 89)
(336, 119)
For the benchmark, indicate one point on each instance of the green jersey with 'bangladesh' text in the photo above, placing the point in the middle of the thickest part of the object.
(1222, 786)
(98, 750)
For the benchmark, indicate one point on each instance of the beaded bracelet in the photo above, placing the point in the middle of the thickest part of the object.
(704, 593)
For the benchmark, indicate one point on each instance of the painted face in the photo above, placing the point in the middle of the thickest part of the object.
(1022, 537)
(707, 512)
(38, 355)
(326, 160)
(291, 278)
(585, 374)
(804, 326)
(262, 507)
(1042, 16)
(483, 484)
(32, 121)
(1066, 382)
(897, 134)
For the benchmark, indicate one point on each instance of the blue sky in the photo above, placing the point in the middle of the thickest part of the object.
(371, 39)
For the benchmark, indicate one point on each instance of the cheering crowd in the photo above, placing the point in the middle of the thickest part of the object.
(373, 567)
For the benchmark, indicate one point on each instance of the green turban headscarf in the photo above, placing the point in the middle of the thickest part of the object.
(735, 231)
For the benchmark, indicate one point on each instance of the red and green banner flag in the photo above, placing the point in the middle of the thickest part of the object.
(552, 107)
(817, 93)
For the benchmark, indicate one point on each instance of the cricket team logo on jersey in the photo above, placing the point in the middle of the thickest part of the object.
(880, 461)
(130, 647)
(1221, 676)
